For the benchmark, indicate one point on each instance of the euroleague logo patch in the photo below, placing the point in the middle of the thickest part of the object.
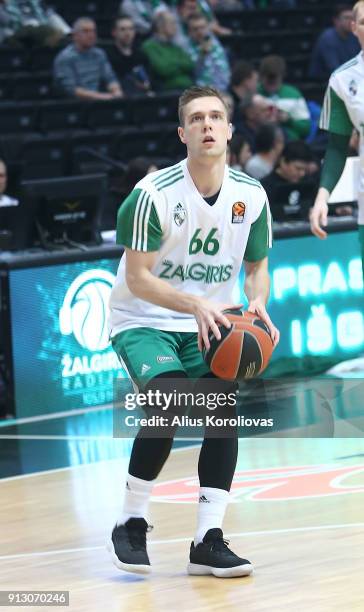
(273, 484)
(238, 212)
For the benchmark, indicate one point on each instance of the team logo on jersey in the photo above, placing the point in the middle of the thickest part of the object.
(238, 212)
(179, 214)
(353, 87)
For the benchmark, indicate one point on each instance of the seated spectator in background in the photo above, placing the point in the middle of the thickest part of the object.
(239, 152)
(207, 8)
(82, 70)
(335, 46)
(293, 113)
(269, 145)
(126, 59)
(254, 111)
(5, 200)
(30, 23)
(244, 82)
(183, 10)
(209, 56)
(170, 66)
(121, 186)
(291, 170)
(141, 12)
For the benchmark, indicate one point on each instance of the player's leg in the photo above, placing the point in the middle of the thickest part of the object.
(139, 350)
(209, 553)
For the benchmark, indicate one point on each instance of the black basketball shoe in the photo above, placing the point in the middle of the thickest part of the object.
(212, 556)
(128, 546)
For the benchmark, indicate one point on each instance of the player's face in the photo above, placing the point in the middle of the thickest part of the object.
(3, 178)
(358, 26)
(206, 129)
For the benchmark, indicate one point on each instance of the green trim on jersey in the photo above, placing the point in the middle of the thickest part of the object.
(138, 226)
(241, 177)
(163, 174)
(260, 237)
(169, 177)
(334, 116)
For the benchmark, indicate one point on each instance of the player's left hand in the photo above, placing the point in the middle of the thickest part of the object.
(257, 307)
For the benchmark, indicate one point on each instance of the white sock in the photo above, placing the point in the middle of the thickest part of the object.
(211, 510)
(136, 500)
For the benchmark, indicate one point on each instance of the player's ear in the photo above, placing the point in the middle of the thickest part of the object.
(181, 135)
(230, 132)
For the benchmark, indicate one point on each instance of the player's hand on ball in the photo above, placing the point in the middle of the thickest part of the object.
(257, 307)
(208, 316)
(318, 218)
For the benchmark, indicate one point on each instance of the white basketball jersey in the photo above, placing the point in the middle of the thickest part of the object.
(200, 247)
(343, 109)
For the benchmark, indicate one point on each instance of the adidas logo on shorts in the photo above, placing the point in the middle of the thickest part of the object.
(203, 500)
(145, 368)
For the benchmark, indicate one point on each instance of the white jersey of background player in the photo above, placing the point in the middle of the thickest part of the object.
(343, 110)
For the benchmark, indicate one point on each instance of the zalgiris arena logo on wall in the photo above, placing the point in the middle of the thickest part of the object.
(273, 484)
(85, 308)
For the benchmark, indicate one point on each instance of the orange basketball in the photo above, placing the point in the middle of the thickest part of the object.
(244, 350)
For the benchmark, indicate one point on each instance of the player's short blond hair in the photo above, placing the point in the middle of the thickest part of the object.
(356, 7)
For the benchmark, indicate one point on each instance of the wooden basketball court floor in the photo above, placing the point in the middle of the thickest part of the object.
(297, 512)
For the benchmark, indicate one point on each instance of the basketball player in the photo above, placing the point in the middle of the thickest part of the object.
(342, 111)
(186, 231)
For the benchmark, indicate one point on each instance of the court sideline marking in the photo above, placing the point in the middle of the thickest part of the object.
(188, 539)
(73, 467)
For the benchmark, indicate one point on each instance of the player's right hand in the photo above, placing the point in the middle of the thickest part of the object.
(318, 218)
(208, 315)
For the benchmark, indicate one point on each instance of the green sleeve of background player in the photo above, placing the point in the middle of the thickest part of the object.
(138, 225)
(259, 237)
(334, 161)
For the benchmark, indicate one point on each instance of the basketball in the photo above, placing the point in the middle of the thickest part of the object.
(244, 350)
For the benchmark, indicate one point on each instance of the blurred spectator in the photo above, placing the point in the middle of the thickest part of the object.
(170, 66)
(122, 185)
(239, 152)
(126, 58)
(293, 113)
(254, 111)
(244, 82)
(207, 8)
(183, 10)
(5, 200)
(136, 169)
(291, 170)
(335, 45)
(210, 59)
(141, 12)
(30, 22)
(269, 145)
(82, 70)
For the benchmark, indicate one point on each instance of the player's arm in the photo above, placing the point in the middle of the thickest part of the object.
(257, 281)
(336, 120)
(256, 287)
(139, 231)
